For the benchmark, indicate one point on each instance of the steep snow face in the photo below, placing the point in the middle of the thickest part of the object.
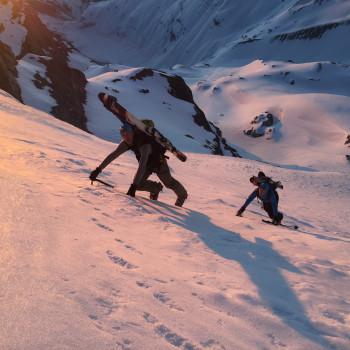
(34, 82)
(217, 32)
(12, 31)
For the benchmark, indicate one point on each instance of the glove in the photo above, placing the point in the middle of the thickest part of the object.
(240, 211)
(95, 173)
(132, 190)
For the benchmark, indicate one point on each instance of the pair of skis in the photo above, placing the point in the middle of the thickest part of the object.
(291, 226)
(295, 227)
(111, 103)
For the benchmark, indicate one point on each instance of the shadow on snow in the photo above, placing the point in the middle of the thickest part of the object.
(259, 259)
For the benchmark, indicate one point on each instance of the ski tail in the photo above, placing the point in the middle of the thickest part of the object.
(178, 154)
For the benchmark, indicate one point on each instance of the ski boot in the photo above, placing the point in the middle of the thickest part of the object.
(277, 219)
(180, 201)
(154, 195)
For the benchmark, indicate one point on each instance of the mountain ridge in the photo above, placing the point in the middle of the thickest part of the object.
(196, 41)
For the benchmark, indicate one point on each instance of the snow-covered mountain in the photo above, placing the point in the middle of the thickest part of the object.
(241, 59)
(52, 76)
(161, 34)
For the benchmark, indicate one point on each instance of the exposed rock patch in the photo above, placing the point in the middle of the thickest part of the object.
(67, 85)
(262, 125)
(309, 33)
(8, 72)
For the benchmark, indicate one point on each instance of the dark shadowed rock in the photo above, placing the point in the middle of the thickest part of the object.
(180, 90)
(311, 33)
(8, 72)
(146, 72)
(67, 85)
(262, 125)
(347, 141)
(68, 89)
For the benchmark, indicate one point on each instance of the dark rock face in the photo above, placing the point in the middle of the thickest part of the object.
(146, 72)
(219, 140)
(179, 89)
(8, 72)
(309, 33)
(68, 89)
(347, 142)
(51, 8)
(67, 85)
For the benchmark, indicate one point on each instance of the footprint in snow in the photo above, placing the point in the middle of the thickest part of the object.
(120, 261)
(102, 226)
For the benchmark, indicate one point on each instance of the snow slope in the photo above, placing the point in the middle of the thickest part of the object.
(219, 32)
(86, 267)
(310, 102)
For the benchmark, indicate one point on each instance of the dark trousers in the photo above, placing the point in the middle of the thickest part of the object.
(164, 175)
(268, 208)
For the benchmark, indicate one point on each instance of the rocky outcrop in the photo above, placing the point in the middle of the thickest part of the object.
(315, 32)
(347, 141)
(178, 88)
(67, 85)
(51, 8)
(8, 72)
(262, 125)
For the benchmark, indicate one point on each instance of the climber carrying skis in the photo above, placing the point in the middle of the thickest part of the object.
(151, 158)
(266, 192)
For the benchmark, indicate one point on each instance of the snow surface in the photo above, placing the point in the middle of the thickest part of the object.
(86, 267)
(30, 72)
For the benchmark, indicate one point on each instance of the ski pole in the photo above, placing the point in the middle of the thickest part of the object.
(102, 182)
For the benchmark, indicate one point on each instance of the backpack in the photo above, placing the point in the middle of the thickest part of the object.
(157, 147)
(273, 185)
(268, 180)
(158, 154)
(148, 122)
